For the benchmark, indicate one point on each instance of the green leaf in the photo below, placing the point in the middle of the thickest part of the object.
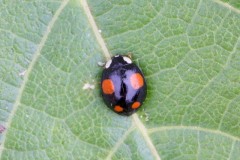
(188, 50)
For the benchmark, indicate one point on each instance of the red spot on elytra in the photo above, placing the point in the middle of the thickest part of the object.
(118, 109)
(136, 81)
(108, 86)
(136, 105)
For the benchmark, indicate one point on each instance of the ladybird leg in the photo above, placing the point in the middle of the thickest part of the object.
(129, 55)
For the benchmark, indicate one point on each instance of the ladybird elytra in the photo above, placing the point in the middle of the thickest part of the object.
(123, 85)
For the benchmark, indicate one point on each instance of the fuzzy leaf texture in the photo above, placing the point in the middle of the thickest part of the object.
(189, 51)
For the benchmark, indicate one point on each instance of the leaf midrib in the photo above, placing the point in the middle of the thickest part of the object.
(140, 126)
(227, 5)
(145, 132)
(193, 128)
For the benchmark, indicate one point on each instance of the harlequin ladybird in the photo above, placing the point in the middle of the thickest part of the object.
(123, 85)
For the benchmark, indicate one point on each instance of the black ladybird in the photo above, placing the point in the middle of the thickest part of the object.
(123, 85)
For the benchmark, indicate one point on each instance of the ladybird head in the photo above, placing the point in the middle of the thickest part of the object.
(118, 61)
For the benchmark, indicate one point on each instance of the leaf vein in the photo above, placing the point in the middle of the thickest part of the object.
(31, 65)
(119, 143)
(145, 135)
(227, 5)
(95, 29)
(232, 148)
(17, 36)
(193, 128)
(106, 53)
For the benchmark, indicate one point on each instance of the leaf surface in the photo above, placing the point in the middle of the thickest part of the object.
(188, 50)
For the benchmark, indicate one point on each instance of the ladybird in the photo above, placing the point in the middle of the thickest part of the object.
(123, 85)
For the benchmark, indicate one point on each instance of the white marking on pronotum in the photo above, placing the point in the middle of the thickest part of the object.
(88, 86)
(108, 64)
(116, 56)
(126, 59)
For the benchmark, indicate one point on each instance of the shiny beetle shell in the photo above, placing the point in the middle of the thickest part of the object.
(123, 85)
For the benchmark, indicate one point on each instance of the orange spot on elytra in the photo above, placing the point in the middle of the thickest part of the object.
(136, 105)
(118, 109)
(136, 80)
(107, 86)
